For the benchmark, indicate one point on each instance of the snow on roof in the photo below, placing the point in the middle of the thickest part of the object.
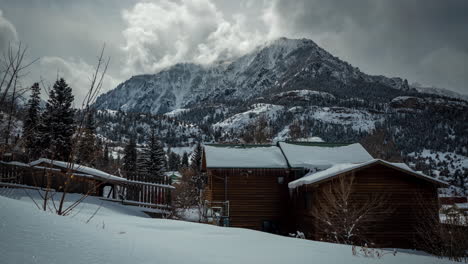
(78, 168)
(248, 156)
(173, 173)
(15, 163)
(323, 156)
(461, 205)
(335, 170)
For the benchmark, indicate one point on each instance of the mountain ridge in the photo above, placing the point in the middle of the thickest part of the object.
(279, 65)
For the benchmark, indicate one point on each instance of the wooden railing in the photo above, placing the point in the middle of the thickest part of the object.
(148, 193)
(144, 192)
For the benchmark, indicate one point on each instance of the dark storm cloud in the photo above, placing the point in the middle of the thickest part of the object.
(424, 41)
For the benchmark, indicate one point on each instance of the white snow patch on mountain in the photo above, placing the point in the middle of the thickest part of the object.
(454, 160)
(176, 112)
(357, 119)
(243, 119)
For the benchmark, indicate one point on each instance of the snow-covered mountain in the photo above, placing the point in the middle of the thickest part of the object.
(439, 91)
(277, 66)
(293, 89)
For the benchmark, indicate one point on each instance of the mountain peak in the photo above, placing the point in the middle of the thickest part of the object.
(279, 65)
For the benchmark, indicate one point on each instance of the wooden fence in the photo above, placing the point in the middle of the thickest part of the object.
(148, 192)
(145, 192)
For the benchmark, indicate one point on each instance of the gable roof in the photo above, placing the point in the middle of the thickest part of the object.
(244, 156)
(323, 155)
(334, 171)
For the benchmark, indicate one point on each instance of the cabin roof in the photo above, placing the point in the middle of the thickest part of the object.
(324, 175)
(78, 168)
(316, 155)
(244, 156)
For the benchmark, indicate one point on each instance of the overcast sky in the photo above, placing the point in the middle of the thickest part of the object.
(425, 41)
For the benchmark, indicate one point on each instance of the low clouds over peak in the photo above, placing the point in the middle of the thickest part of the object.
(7, 33)
(162, 33)
(423, 41)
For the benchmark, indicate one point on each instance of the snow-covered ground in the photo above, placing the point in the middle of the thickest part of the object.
(122, 234)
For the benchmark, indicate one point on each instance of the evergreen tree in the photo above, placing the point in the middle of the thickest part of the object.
(87, 149)
(173, 163)
(152, 160)
(185, 160)
(31, 133)
(129, 159)
(106, 158)
(196, 159)
(58, 124)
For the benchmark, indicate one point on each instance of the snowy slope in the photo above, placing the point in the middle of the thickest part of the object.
(357, 119)
(455, 161)
(241, 120)
(120, 235)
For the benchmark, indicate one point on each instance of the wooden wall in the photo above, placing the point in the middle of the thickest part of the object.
(406, 196)
(254, 195)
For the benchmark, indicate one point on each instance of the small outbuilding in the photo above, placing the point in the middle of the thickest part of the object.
(382, 202)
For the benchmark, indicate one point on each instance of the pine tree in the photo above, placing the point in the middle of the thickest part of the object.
(173, 163)
(58, 124)
(196, 159)
(129, 160)
(151, 162)
(87, 149)
(105, 158)
(31, 124)
(185, 160)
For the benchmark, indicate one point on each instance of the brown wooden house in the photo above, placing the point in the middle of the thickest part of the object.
(253, 180)
(275, 187)
(407, 198)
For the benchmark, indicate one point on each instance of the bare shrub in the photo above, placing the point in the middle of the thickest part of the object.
(187, 194)
(342, 218)
(446, 238)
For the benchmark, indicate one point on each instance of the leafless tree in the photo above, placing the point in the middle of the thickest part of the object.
(96, 82)
(340, 216)
(258, 131)
(446, 237)
(12, 68)
(188, 193)
(295, 130)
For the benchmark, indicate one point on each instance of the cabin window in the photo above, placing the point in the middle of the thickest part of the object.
(308, 201)
(280, 180)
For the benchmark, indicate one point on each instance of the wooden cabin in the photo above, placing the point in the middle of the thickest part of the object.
(275, 187)
(253, 180)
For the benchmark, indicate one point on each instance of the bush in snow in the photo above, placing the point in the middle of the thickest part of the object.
(446, 237)
(343, 220)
